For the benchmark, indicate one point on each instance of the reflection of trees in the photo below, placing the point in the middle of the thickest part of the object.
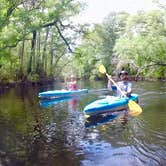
(31, 136)
(20, 129)
(74, 126)
(109, 126)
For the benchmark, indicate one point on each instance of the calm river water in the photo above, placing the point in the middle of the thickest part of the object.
(34, 133)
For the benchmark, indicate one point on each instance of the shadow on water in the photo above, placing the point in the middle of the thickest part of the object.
(59, 134)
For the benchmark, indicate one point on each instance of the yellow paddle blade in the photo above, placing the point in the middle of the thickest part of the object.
(102, 69)
(134, 108)
(87, 116)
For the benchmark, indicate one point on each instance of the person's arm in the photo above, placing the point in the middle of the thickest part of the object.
(111, 86)
(129, 89)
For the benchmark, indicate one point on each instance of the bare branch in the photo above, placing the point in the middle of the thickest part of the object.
(50, 24)
(63, 38)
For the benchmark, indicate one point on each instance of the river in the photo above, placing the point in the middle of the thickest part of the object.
(32, 133)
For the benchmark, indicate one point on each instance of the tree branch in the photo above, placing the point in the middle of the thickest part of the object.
(155, 63)
(63, 38)
(49, 24)
(14, 44)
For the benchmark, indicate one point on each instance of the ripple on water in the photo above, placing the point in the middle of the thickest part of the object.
(144, 146)
(103, 154)
(148, 143)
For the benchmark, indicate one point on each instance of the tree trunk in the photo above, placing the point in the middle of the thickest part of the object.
(38, 56)
(44, 59)
(32, 56)
(22, 59)
(52, 55)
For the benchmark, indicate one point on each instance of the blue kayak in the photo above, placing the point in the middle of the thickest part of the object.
(60, 93)
(110, 103)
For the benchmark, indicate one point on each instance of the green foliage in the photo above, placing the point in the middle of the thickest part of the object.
(23, 28)
(143, 44)
(98, 43)
(33, 77)
(9, 65)
(88, 54)
(37, 39)
(134, 42)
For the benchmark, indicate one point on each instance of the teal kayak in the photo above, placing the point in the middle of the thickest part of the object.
(110, 103)
(61, 93)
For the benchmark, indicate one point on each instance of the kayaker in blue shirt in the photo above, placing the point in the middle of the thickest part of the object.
(124, 85)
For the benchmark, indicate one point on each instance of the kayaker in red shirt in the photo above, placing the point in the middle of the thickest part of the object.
(72, 83)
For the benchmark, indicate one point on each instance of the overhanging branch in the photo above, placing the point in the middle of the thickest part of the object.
(63, 38)
(155, 63)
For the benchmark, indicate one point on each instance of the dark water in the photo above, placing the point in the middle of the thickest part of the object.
(60, 135)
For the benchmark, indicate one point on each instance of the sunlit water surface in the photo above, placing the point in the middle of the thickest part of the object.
(59, 134)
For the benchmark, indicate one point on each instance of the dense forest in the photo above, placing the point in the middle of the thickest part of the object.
(39, 41)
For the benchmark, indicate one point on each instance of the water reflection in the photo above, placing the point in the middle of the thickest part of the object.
(44, 103)
(107, 119)
(60, 135)
(73, 105)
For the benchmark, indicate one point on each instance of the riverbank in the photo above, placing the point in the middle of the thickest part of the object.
(46, 81)
(133, 78)
(26, 83)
